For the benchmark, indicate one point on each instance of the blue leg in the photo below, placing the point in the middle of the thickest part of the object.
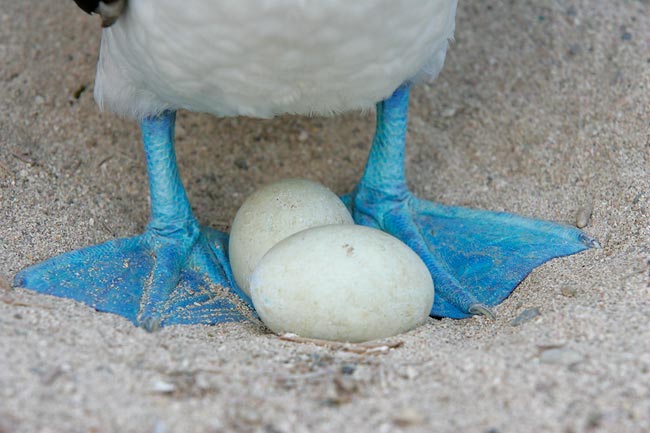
(476, 257)
(177, 272)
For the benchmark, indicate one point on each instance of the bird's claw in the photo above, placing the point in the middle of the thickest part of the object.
(151, 324)
(478, 309)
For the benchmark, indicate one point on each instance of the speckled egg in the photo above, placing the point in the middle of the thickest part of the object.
(343, 283)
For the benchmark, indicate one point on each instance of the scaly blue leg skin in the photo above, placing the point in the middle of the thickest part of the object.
(476, 257)
(177, 272)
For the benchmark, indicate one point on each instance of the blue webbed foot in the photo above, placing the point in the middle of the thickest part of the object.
(175, 273)
(150, 279)
(476, 258)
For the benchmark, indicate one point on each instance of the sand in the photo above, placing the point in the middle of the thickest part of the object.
(542, 109)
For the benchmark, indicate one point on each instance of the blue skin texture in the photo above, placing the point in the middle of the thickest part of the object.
(177, 272)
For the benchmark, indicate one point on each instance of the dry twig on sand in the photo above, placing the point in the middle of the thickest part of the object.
(367, 348)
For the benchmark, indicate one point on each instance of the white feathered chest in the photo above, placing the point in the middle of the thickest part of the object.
(266, 57)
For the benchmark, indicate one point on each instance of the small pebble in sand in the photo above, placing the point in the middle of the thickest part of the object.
(162, 387)
(583, 216)
(408, 417)
(525, 316)
(560, 356)
(241, 164)
(569, 292)
(449, 112)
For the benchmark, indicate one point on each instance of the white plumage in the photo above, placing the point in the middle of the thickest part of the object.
(261, 58)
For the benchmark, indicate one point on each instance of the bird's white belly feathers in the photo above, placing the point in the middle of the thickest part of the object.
(266, 57)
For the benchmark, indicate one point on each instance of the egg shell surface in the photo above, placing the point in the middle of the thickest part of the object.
(275, 212)
(343, 283)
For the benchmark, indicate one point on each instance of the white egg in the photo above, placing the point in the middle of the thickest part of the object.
(275, 212)
(344, 283)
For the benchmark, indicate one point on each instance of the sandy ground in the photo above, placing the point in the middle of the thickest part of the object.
(542, 110)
